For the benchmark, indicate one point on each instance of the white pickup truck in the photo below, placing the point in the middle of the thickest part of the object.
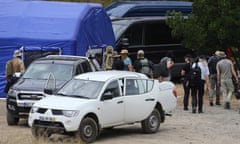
(94, 101)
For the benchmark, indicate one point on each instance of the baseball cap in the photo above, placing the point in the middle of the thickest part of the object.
(140, 52)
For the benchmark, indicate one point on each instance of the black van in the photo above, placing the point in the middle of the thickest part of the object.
(152, 35)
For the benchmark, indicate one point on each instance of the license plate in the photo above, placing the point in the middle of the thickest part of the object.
(44, 118)
(27, 104)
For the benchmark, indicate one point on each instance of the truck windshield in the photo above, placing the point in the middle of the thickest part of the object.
(42, 70)
(81, 88)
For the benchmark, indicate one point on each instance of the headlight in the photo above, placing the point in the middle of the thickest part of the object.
(70, 113)
(12, 93)
(34, 109)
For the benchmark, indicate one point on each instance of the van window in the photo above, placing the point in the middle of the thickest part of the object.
(154, 37)
(135, 35)
(151, 33)
(158, 33)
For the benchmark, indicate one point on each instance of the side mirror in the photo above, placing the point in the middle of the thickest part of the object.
(48, 91)
(107, 95)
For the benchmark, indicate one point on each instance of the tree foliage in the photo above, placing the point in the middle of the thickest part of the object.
(212, 25)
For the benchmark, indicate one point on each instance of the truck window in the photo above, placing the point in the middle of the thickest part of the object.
(114, 88)
(86, 67)
(132, 87)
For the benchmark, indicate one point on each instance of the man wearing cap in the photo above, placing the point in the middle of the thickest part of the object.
(162, 69)
(117, 62)
(225, 71)
(212, 63)
(126, 60)
(13, 66)
(143, 65)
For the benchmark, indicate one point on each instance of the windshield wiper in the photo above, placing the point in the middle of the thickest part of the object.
(61, 94)
(78, 96)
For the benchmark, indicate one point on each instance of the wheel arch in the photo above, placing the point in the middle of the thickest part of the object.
(161, 111)
(93, 116)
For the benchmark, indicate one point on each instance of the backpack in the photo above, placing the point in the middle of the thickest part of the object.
(145, 68)
(195, 76)
(212, 64)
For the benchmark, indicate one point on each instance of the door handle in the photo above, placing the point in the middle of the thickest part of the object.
(150, 99)
(119, 102)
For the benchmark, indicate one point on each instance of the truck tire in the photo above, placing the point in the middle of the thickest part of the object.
(11, 120)
(40, 133)
(152, 123)
(88, 130)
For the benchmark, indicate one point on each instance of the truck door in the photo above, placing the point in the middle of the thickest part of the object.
(138, 102)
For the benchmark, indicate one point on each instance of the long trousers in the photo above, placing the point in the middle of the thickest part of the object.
(197, 93)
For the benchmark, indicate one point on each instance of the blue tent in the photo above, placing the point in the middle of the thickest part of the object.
(73, 27)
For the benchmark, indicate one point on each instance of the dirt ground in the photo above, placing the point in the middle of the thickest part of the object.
(215, 126)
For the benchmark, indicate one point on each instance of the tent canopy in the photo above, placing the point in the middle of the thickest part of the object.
(73, 27)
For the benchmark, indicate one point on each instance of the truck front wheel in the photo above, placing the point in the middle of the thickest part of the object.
(152, 123)
(11, 120)
(40, 132)
(88, 130)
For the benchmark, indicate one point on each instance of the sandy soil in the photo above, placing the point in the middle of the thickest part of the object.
(215, 126)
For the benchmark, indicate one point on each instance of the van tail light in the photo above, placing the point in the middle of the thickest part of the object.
(174, 92)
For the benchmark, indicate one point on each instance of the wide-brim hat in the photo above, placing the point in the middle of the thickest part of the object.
(220, 54)
(17, 53)
(124, 51)
(140, 52)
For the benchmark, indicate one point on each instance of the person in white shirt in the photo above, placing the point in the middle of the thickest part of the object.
(197, 91)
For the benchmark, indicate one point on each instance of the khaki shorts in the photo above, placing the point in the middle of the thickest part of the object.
(227, 85)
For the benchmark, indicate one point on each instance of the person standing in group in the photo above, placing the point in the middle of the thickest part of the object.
(162, 70)
(198, 78)
(117, 62)
(108, 59)
(225, 72)
(97, 61)
(238, 68)
(14, 67)
(212, 63)
(126, 60)
(185, 72)
(143, 65)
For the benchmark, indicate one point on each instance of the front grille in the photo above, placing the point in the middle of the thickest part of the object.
(54, 125)
(42, 110)
(30, 96)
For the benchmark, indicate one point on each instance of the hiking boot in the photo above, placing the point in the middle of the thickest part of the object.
(194, 110)
(227, 105)
(211, 103)
(185, 109)
(218, 103)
